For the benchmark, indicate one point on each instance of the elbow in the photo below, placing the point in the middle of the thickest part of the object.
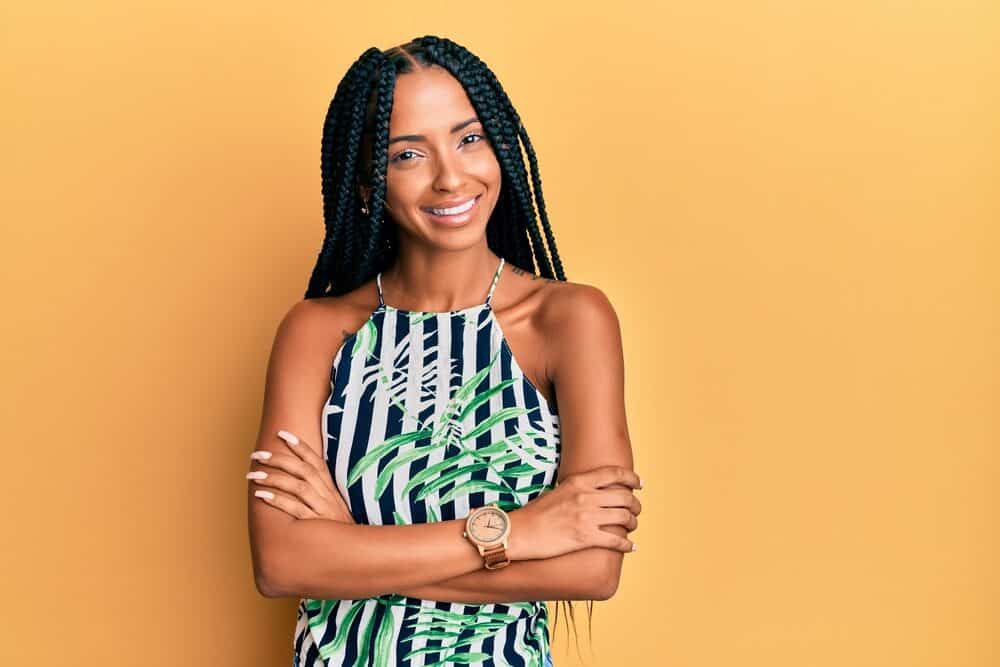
(267, 577)
(608, 589)
(609, 566)
(267, 587)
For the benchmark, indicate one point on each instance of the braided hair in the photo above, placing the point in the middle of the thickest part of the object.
(359, 242)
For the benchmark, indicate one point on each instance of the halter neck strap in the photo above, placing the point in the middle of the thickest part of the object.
(489, 296)
(493, 286)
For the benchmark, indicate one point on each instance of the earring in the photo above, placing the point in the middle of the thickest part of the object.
(364, 207)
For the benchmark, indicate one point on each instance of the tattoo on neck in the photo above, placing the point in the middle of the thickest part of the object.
(521, 272)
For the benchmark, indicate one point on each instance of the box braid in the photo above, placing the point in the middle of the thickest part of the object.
(354, 151)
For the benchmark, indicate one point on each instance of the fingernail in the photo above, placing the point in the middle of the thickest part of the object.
(257, 474)
(288, 437)
(264, 494)
(635, 547)
(640, 482)
(261, 455)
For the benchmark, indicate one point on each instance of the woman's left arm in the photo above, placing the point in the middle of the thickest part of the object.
(587, 369)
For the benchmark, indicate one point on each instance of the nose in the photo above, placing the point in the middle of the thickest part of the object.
(450, 174)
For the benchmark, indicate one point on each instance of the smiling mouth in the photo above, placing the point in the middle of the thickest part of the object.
(454, 210)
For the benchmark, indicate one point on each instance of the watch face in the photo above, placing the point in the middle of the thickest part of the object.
(489, 525)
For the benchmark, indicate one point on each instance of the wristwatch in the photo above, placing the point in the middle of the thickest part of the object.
(488, 528)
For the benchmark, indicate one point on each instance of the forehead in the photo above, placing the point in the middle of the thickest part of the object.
(428, 101)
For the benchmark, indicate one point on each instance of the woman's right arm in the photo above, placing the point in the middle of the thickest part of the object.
(321, 558)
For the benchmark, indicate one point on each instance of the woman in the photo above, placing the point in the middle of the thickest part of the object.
(433, 468)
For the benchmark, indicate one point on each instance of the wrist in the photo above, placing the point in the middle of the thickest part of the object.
(519, 522)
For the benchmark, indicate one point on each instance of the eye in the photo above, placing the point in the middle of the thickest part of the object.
(399, 156)
(472, 134)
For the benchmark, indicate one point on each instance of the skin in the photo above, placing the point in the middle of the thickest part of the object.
(440, 269)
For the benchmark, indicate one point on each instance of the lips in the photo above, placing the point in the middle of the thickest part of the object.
(449, 208)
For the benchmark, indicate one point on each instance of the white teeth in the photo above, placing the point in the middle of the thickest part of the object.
(462, 208)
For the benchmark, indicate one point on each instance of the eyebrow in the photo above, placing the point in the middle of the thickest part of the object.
(420, 137)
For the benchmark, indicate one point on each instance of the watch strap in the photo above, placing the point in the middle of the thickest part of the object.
(495, 557)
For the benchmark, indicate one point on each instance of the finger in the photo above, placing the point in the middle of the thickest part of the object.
(285, 504)
(620, 498)
(605, 475)
(617, 516)
(303, 450)
(614, 542)
(299, 488)
(298, 468)
(333, 499)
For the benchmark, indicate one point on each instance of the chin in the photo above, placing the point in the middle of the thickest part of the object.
(456, 239)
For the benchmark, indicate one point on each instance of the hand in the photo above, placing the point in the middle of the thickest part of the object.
(305, 476)
(569, 517)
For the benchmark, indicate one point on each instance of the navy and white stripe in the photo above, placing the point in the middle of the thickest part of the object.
(397, 374)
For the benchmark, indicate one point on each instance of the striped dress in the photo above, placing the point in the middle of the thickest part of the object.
(429, 417)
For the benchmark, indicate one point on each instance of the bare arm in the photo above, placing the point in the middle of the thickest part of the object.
(322, 558)
(558, 578)
(326, 559)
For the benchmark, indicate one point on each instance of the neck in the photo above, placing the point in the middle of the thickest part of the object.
(439, 280)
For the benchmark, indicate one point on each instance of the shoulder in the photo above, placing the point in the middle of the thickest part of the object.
(560, 305)
(320, 318)
(580, 326)
(572, 320)
(573, 309)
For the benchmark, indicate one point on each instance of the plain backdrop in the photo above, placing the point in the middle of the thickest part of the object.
(792, 206)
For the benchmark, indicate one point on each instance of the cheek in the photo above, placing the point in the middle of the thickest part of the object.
(488, 171)
(403, 189)
(494, 167)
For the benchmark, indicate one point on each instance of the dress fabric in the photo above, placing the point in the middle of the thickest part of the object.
(429, 417)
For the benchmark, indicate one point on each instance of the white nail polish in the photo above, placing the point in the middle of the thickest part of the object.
(635, 547)
(261, 455)
(257, 474)
(264, 494)
(288, 437)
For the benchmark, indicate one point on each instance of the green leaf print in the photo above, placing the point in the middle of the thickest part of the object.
(381, 450)
(342, 630)
(324, 607)
(523, 470)
(473, 485)
(417, 318)
(495, 418)
(433, 623)
(481, 398)
(441, 480)
(383, 640)
(444, 430)
(365, 340)
(385, 476)
(428, 472)
(363, 642)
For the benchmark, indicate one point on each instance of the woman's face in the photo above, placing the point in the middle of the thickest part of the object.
(438, 158)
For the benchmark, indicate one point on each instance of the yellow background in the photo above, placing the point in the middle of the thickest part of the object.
(792, 205)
